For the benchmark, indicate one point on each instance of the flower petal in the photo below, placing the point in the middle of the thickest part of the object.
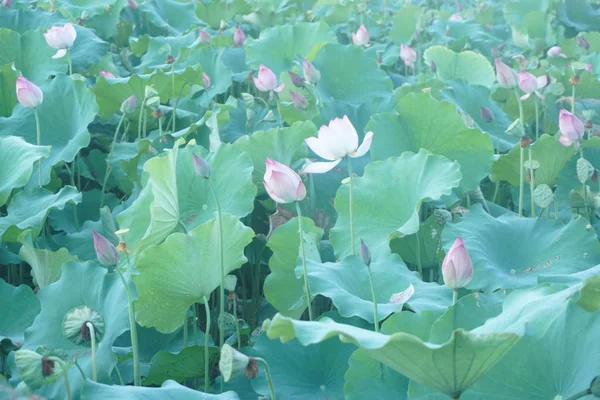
(565, 141)
(279, 88)
(60, 53)
(525, 96)
(320, 148)
(259, 85)
(319, 167)
(364, 147)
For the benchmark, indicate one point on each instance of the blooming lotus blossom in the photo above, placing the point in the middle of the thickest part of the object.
(334, 142)
(282, 183)
(311, 73)
(529, 83)
(28, 94)
(267, 81)
(361, 37)
(204, 36)
(299, 100)
(457, 268)
(571, 129)
(455, 17)
(408, 55)
(106, 74)
(506, 76)
(206, 80)
(239, 37)
(589, 67)
(555, 51)
(106, 252)
(61, 38)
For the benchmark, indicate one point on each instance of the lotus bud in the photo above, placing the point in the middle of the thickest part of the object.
(296, 79)
(129, 104)
(239, 38)
(203, 36)
(457, 268)
(595, 387)
(106, 74)
(571, 128)
(311, 73)
(201, 166)
(505, 75)
(455, 17)
(589, 68)
(361, 37)
(61, 38)
(525, 141)
(34, 369)
(299, 100)
(575, 80)
(582, 42)
(433, 67)
(527, 82)
(132, 4)
(555, 51)
(364, 253)
(234, 363)
(282, 183)
(408, 55)
(267, 80)
(6, 3)
(75, 325)
(170, 60)
(106, 252)
(486, 114)
(206, 80)
(28, 94)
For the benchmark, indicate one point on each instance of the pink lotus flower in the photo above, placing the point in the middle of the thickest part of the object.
(505, 75)
(311, 73)
(282, 183)
(529, 83)
(361, 37)
(571, 129)
(206, 80)
(299, 100)
(204, 36)
(455, 17)
(589, 68)
(28, 94)
(334, 142)
(61, 38)
(555, 51)
(129, 104)
(486, 114)
(267, 81)
(408, 55)
(457, 268)
(239, 37)
(106, 74)
(106, 252)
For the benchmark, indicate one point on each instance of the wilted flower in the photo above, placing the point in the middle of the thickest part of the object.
(311, 73)
(361, 37)
(505, 75)
(571, 129)
(74, 326)
(205, 80)
(106, 252)
(299, 100)
(106, 74)
(233, 363)
(455, 17)
(239, 37)
(582, 42)
(201, 166)
(28, 94)
(129, 104)
(364, 253)
(575, 80)
(457, 268)
(282, 183)
(525, 141)
(203, 36)
(408, 55)
(296, 79)
(61, 38)
(267, 81)
(335, 142)
(486, 114)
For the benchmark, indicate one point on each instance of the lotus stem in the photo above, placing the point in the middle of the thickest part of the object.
(92, 331)
(531, 182)
(304, 269)
(350, 207)
(185, 330)
(537, 119)
(206, 352)
(39, 142)
(107, 170)
(238, 332)
(70, 62)
(268, 376)
(132, 331)
(419, 262)
(573, 102)
(176, 100)
(581, 394)
(520, 103)
(587, 210)
(521, 179)
(375, 313)
(65, 370)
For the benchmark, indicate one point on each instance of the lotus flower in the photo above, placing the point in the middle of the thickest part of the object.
(267, 81)
(571, 129)
(530, 84)
(204, 36)
(206, 80)
(457, 268)
(408, 55)
(361, 37)
(6, 3)
(61, 38)
(455, 17)
(129, 104)
(299, 100)
(106, 74)
(239, 37)
(334, 142)
(364, 253)
(486, 114)
(201, 166)
(28, 94)
(555, 51)
(105, 251)
(505, 75)
(282, 183)
(311, 73)
(589, 68)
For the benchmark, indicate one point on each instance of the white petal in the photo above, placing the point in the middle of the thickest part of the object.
(364, 147)
(332, 142)
(319, 167)
(319, 147)
(60, 53)
(525, 96)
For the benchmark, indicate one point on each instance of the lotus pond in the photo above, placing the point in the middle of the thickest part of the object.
(299, 199)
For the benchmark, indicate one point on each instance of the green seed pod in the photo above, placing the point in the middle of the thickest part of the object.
(34, 369)
(234, 363)
(75, 327)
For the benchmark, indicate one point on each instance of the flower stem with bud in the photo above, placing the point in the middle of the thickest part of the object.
(304, 269)
(531, 181)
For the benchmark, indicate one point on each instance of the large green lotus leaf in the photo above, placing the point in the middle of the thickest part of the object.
(29, 209)
(8, 93)
(547, 151)
(19, 309)
(282, 288)
(80, 284)
(156, 50)
(106, 15)
(278, 47)
(170, 390)
(168, 16)
(285, 145)
(449, 368)
(212, 64)
(405, 23)
(386, 200)
(30, 54)
(358, 82)
(17, 158)
(23, 20)
(423, 122)
(65, 114)
(185, 268)
(186, 364)
(579, 14)
(213, 12)
(455, 34)
(537, 247)
(468, 65)
(423, 246)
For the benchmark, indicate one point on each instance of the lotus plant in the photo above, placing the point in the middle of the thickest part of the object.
(203, 36)
(61, 38)
(505, 75)
(555, 51)
(239, 38)
(267, 81)
(571, 129)
(361, 37)
(457, 267)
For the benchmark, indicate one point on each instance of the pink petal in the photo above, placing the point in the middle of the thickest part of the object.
(259, 85)
(279, 88)
(60, 54)
(525, 96)
(319, 167)
(565, 141)
(365, 146)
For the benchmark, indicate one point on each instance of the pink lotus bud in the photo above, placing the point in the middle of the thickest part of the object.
(28, 94)
(300, 102)
(527, 82)
(132, 4)
(106, 74)
(239, 38)
(361, 37)
(129, 104)
(408, 55)
(555, 51)
(364, 253)
(456, 17)
(571, 128)
(282, 183)
(311, 74)
(6, 3)
(505, 75)
(589, 68)
(296, 79)
(106, 252)
(206, 80)
(582, 42)
(267, 81)
(201, 167)
(61, 38)
(457, 268)
(486, 114)
(204, 36)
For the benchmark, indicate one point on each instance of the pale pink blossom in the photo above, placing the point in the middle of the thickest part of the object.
(361, 37)
(571, 129)
(408, 55)
(61, 38)
(267, 81)
(457, 267)
(282, 183)
(28, 94)
(239, 37)
(506, 76)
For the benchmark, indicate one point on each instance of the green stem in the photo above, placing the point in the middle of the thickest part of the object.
(304, 269)
(531, 182)
(195, 323)
(496, 190)
(72, 179)
(537, 119)
(221, 265)
(142, 106)
(185, 330)
(268, 376)
(70, 62)
(65, 371)
(419, 263)
(350, 207)
(521, 179)
(454, 296)
(92, 331)
(132, 332)
(206, 352)
(587, 210)
(520, 103)
(581, 394)
(573, 102)
(375, 313)
(176, 100)
(238, 332)
(119, 376)
(107, 169)
(39, 142)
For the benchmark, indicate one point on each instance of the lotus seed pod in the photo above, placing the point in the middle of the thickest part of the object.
(34, 369)
(75, 327)
(234, 363)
